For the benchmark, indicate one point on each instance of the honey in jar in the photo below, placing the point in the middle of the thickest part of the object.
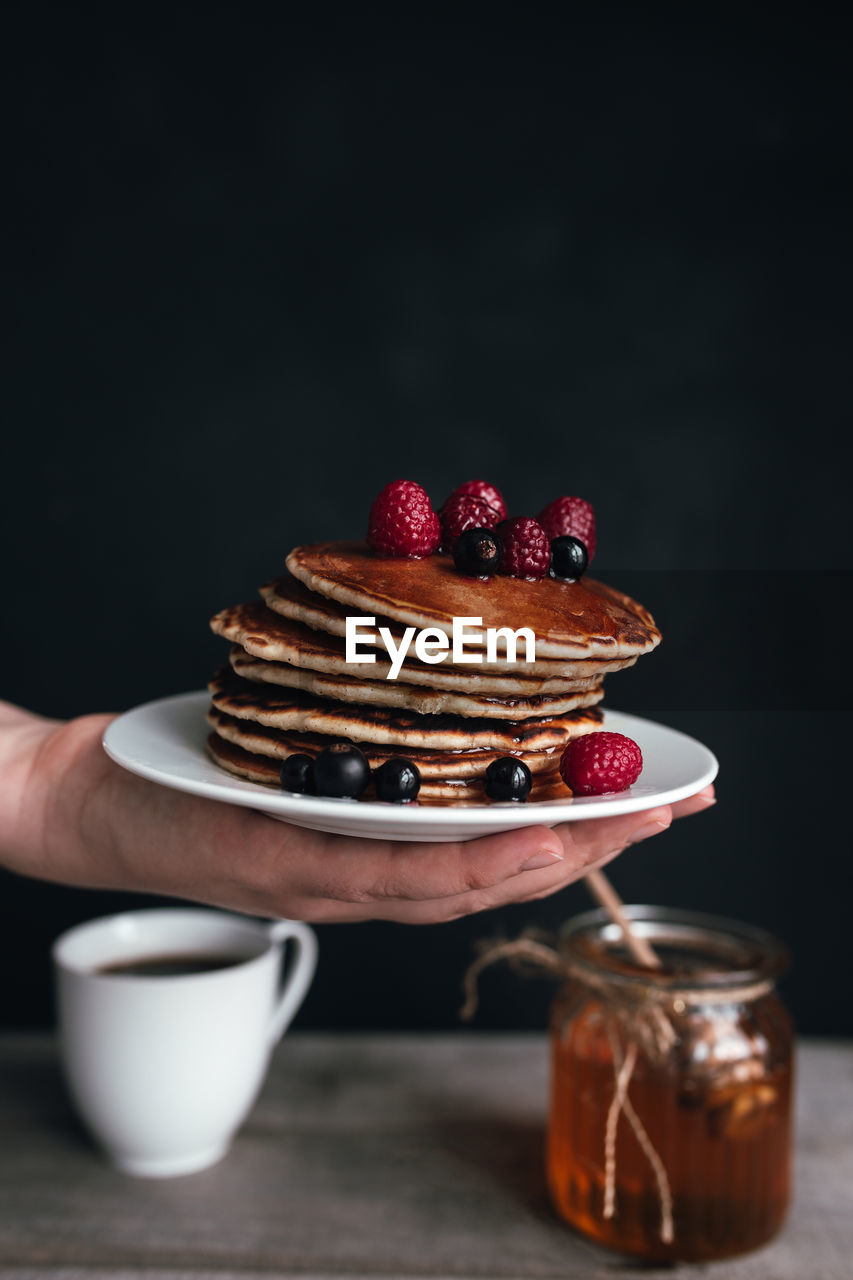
(669, 1133)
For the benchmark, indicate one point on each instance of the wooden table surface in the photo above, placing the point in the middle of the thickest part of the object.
(404, 1156)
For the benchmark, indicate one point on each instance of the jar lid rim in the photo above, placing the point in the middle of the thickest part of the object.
(757, 956)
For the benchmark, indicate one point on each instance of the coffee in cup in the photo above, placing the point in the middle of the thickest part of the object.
(167, 1019)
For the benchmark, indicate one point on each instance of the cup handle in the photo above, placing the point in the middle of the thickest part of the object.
(299, 979)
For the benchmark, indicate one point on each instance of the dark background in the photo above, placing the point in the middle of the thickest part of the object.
(258, 266)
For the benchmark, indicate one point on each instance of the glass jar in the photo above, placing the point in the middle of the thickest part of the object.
(669, 1134)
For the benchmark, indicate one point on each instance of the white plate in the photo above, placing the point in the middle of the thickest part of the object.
(164, 741)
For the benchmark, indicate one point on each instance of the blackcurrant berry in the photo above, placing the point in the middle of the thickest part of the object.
(508, 779)
(477, 553)
(397, 780)
(569, 557)
(341, 770)
(297, 774)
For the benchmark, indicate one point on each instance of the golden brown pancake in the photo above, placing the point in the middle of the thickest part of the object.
(263, 769)
(274, 638)
(305, 713)
(583, 619)
(393, 693)
(288, 597)
(280, 743)
(289, 688)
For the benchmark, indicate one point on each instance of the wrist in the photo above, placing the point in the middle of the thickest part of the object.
(52, 773)
(23, 736)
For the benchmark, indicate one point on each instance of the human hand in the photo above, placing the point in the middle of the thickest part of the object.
(81, 819)
(341, 878)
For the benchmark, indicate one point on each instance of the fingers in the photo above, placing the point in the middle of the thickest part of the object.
(541, 892)
(493, 872)
(585, 842)
(649, 823)
(350, 879)
(368, 871)
(703, 799)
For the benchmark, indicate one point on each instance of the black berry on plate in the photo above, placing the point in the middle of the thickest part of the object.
(508, 779)
(569, 557)
(397, 780)
(477, 552)
(297, 774)
(341, 770)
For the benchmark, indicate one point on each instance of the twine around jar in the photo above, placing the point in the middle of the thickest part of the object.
(642, 1013)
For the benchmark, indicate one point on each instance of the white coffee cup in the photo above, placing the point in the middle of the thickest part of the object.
(164, 1069)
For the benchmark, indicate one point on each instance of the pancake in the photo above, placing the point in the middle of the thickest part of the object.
(274, 638)
(391, 693)
(265, 770)
(290, 598)
(289, 688)
(279, 743)
(303, 712)
(583, 619)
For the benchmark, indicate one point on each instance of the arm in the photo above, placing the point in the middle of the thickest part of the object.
(69, 814)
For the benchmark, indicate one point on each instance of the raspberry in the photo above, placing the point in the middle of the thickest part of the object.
(525, 546)
(459, 514)
(597, 763)
(483, 490)
(402, 522)
(570, 516)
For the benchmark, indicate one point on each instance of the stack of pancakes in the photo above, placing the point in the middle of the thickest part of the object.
(288, 687)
